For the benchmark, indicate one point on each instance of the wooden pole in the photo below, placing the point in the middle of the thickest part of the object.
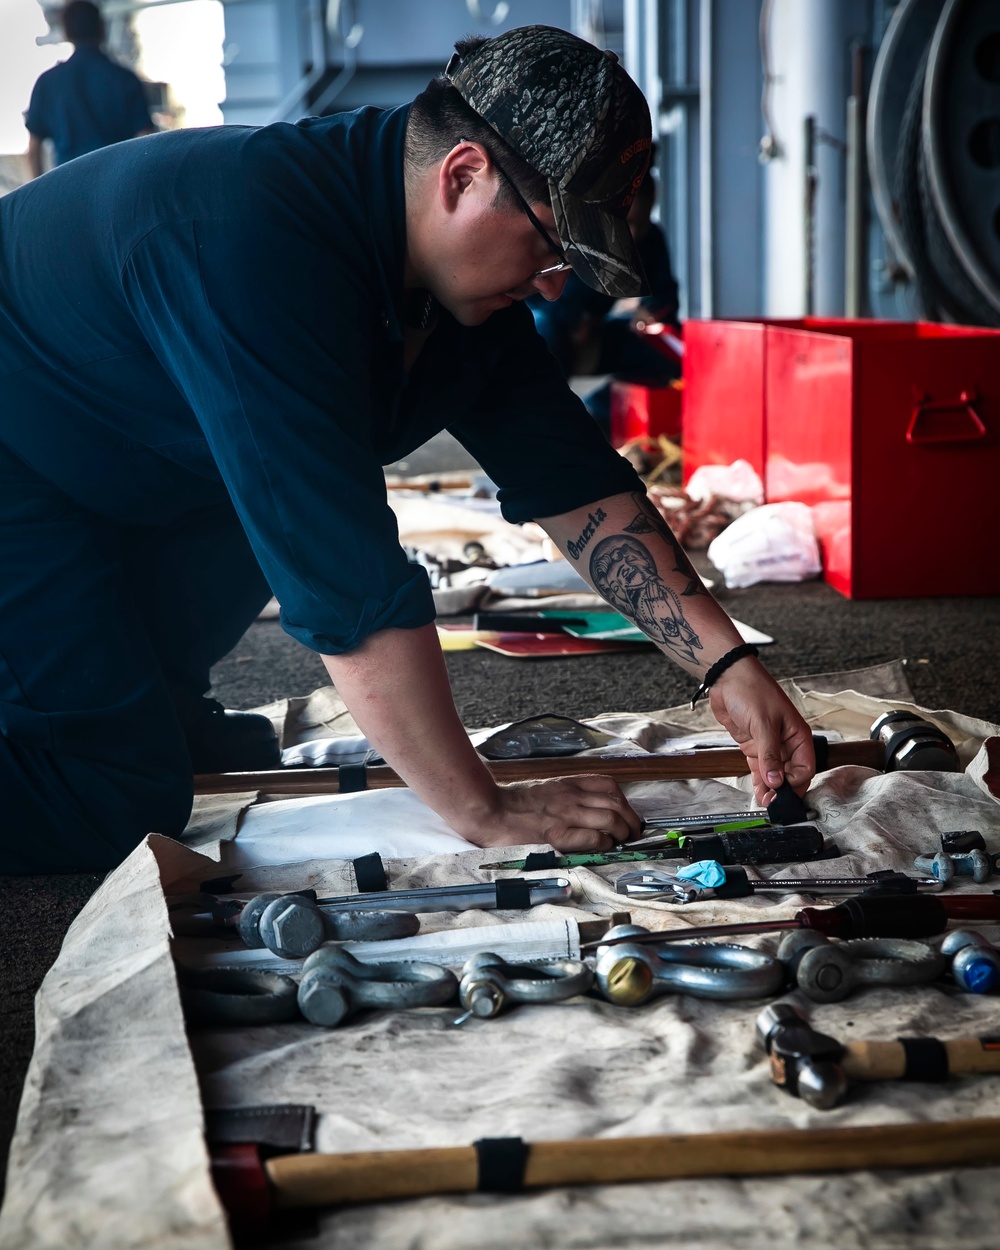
(308, 1180)
(717, 762)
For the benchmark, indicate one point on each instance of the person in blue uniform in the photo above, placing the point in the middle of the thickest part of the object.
(210, 343)
(587, 339)
(86, 102)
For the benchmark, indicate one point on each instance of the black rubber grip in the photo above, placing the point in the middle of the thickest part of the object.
(765, 846)
(892, 915)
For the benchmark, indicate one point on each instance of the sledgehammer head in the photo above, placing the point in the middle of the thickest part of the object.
(913, 743)
(804, 1062)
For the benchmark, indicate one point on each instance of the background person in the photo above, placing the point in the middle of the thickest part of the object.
(86, 102)
(588, 336)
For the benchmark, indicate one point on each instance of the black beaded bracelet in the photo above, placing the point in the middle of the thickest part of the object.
(720, 666)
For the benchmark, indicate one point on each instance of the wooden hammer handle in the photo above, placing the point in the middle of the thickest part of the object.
(886, 1061)
(717, 762)
(324, 1180)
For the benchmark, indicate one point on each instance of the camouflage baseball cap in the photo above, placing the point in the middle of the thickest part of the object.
(572, 113)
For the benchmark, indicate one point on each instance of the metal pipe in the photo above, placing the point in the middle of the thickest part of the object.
(854, 205)
(317, 44)
(810, 180)
(705, 157)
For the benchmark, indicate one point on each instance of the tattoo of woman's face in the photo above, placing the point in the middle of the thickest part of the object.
(624, 571)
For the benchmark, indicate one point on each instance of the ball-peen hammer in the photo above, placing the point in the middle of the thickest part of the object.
(816, 1068)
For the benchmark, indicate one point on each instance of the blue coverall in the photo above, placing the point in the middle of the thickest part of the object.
(200, 378)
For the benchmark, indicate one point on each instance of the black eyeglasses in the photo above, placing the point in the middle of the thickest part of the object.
(553, 247)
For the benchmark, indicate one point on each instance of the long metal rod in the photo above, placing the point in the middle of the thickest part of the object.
(696, 934)
(447, 897)
(717, 762)
(833, 885)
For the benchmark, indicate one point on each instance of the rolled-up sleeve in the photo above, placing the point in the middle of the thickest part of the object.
(270, 340)
(533, 435)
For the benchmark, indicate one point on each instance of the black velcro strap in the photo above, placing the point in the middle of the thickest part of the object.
(537, 860)
(502, 1161)
(219, 885)
(786, 808)
(513, 894)
(926, 1059)
(351, 778)
(369, 873)
(821, 745)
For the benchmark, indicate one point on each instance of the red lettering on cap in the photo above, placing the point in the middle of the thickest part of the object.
(632, 191)
(634, 149)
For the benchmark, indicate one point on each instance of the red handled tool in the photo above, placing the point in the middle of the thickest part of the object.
(899, 916)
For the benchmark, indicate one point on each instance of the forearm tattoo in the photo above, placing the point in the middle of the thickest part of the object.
(649, 521)
(625, 572)
(576, 548)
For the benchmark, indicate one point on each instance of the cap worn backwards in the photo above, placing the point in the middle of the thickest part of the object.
(572, 113)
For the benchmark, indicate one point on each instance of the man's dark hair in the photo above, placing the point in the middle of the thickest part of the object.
(82, 22)
(440, 118)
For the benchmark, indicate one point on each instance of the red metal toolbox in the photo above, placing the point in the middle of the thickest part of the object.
(724, 389)
(890, 431)
(723, 411)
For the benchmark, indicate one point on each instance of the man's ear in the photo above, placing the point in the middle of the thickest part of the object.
(463, 171)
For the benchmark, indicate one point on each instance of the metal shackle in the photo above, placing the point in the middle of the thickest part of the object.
(975, 963)
(488, 982)
(827, 971)
(944, 867)
(293, 925)
(334, 984)
(246, 996)
(629, 975)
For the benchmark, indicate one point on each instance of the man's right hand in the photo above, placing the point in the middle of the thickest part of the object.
(396, 685)
(588, 812)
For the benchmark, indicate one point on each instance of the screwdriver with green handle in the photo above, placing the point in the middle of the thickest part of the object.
(769, 844)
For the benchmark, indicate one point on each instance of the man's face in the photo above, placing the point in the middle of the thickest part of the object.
(492, 256)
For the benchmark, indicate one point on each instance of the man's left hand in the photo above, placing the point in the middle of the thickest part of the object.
(749, 703)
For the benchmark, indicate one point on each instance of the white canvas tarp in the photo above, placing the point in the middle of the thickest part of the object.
(108, 1150)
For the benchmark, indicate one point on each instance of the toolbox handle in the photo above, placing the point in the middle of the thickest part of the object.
(974, 430)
